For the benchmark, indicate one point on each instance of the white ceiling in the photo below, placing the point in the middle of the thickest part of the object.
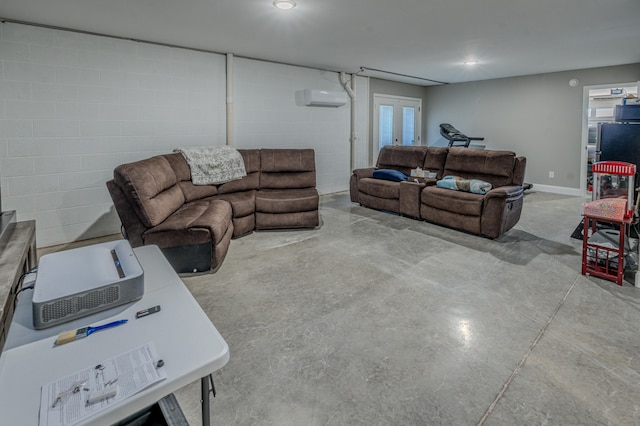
(429, 39)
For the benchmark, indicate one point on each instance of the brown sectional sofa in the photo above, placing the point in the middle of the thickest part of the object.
(491, 214)
(193, 224)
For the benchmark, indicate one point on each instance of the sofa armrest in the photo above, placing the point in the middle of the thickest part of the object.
(501, 211)
(364, 173)
(518, 170)
(131, 224)
(509, 191)
(355, 177)
(410, 198)
(430, 181)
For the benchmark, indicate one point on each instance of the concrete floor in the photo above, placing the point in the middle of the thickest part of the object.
(376, 319)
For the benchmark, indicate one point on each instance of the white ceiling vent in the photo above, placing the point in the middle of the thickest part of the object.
(324, 98)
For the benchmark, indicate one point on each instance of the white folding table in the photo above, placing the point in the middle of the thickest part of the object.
(185, 339)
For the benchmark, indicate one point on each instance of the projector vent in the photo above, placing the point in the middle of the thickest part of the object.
(76, 304)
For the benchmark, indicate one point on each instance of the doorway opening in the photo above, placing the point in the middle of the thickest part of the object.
(599, 107)
(396, 121)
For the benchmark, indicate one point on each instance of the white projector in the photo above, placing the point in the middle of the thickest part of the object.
(79, 282)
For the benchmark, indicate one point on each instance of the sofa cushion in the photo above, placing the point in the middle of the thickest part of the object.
(251, 159)
(495, 167)
(451, 219)
(308, 219)
(213, 215)
(386, 204)
(287, 180)
(435, 160)
(519, 170)
(151, 186)
(403, 158)
(196, 192)
(251, 181)
(287, 169)
(242, 203)
(287, 160)
(465, 203)
(379, 188)
(183, 175)
(390, 174)
(287, 200)
(179, 166)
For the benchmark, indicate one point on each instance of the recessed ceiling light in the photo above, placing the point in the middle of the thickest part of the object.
(471, 62)
(284, 4)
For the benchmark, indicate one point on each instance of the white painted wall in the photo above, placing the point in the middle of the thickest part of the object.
(537, 116)
(74, 106)
(266, 114)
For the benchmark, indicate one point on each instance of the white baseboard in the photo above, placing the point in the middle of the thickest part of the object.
(576, 192)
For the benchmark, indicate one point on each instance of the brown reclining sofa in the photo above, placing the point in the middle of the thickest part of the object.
(491, 214)
(193, 224)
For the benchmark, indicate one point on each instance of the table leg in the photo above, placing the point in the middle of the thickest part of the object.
(585, 239)
(207, 386)
(621, 250)
(206, 417)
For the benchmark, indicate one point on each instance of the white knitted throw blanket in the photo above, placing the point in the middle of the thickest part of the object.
(213, 164)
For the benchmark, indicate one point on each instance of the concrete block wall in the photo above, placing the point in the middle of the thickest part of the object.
(74, 106)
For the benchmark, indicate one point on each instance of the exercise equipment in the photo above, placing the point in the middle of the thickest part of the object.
(456, 137)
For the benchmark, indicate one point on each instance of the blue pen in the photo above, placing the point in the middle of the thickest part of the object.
(70, 336)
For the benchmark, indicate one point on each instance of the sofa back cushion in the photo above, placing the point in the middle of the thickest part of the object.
(251, 181)
(287, 168)
(179, 165)
(495, 167)
(152, 187)
(403, 158)
(435, 160)
(518, 171)
(183, 174)
(192, 192)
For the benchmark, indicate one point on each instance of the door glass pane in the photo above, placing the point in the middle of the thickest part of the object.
(385, 129)
(408, 125)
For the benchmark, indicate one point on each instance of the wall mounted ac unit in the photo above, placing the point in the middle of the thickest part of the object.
(324, 98)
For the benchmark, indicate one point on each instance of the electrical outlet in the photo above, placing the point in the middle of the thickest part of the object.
(552, 174)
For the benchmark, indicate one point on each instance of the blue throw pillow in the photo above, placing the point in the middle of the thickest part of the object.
(390, 174)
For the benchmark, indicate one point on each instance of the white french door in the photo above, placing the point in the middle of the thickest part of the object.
(396, 121)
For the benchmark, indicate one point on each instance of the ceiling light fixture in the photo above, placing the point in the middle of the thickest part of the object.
(471, 62)
(284, 4)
